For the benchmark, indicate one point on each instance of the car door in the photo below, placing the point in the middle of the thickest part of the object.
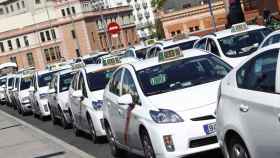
(257, 103)
(76, 102)
(83, 104)
(113, 106)
(131, 113)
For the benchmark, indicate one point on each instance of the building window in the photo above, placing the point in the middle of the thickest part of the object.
(12, 8)
(30, 59)
(73, 34)
(48, 35)
(2, 47)
(1, 11)
(18, 6)
(173, 33)
(191, 29)
(37, 1)
(68, 11)
(78, 53)
(197, 28)
(73, 10)
(52, 54)
(42, 35)
(178, 31)
(18, 43)
(13, 59)
(22, 4)
(63, 12)
(7, 10)
(26, 42)
(53, 34)
(10, 45)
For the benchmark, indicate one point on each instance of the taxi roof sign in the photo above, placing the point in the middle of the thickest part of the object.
(239, 27)
(150, 42)
(170, 54)
(111, 61)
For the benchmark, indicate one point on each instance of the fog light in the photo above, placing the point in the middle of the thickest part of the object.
(168, 143)
(46, 108)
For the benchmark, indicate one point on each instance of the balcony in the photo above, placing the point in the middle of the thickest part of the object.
(137, 6)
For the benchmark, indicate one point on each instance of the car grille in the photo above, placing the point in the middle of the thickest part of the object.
(204, 141)
(203, 118)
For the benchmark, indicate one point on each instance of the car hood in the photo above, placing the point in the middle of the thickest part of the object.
(188, 98)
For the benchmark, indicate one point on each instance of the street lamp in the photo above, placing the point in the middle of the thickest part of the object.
(212, 15)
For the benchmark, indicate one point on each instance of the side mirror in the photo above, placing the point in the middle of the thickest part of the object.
(31, 89)
(51, 91)
(125, 100)
(78, 94)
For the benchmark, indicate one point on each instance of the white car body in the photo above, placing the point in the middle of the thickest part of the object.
(272, 38)
(248, 110)
(39, 95)
(3, 81)
(23, 100)
(9, 87)
(215, 47)
(184, 44)
(195, 105)
(58, 100)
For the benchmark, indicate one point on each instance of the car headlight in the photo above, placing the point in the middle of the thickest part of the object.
(97, 105)
(43, 95)
(165, 116)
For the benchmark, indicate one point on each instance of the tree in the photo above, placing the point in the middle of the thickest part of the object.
(158, 4)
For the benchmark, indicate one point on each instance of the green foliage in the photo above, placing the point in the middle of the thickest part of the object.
(157, 3)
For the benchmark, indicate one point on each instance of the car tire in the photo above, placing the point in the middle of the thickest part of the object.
(115, 150)
(147, 144)
(237, 148)
(92, 130)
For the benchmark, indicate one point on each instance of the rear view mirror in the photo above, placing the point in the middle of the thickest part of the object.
(78, 94)
(125, 100)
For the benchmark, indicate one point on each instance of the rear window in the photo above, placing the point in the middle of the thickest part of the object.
(98, 80)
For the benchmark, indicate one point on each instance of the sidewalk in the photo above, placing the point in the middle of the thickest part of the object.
(20, 140)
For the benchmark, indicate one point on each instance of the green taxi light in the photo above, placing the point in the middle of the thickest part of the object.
(111, 61)
(170, 54)
(150, 42)
(239, 27)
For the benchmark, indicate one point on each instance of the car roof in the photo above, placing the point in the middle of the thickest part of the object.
(66, 71)
(93, 55)
(171, 42)
(227, 32)
(155, 61)
(98, 67)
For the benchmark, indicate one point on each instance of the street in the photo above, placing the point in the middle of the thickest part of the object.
(100, 150)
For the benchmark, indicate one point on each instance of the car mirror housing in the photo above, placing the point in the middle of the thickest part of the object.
(125, 100)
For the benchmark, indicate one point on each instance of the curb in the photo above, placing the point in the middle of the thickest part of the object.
(67, 146)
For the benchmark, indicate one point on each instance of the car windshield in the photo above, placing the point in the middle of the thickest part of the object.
(25, 83)
(243, 44)
(183, 46)
(92, 60)
(2, 81)
(10, 82)
(65, 81)
(98, 80)
(141, 53)
(193, 71)
(45, 79)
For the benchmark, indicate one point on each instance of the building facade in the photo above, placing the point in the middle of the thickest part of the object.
(193, 16)
(40, 32)
(143, 13)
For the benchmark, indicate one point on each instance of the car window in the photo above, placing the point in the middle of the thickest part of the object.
(82, 86)
(272, 40)
(201, 44)
(115, 83)
(212, 47)
(128, 87)
(259, 74)
(64, 82)
(25, 83)
(17, 83)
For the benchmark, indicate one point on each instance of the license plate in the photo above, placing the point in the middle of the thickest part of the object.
(210, 128)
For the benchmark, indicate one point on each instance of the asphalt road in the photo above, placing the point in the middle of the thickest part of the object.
(100, 150)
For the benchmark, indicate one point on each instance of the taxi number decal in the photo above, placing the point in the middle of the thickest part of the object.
(157, 80)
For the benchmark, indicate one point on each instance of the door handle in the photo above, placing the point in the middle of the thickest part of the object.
(244, 108)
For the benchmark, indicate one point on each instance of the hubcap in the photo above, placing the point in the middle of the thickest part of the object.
(239, 151)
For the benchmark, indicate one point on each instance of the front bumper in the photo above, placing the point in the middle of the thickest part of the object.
(26, 106)
(187, 137)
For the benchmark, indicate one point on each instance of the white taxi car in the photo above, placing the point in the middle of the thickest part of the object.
(39, 93)
(272, 38)
(87, 99)
(164, 107)
(22, 100)
(233, 45)
(182, 41)
(3, 81)
(248, 110)
(58, 97)
(8, 89)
